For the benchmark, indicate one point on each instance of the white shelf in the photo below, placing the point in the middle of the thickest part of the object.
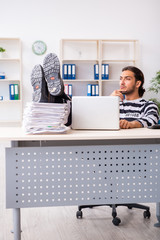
(119, 40)
(9, 80)
(118, 60)
(118, 53)
(10, 63)
(80, 80)
(110, 80)
(80, 60)
(10, 101)
(13, 121)
(9, 59)
(9, 39)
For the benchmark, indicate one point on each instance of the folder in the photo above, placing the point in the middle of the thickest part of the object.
(106, 71)
(96, 71)
(16, 92)
(11, 91)
(69, 71)
(89, 90)
(103, 71)
(66, 90)
(97, 90)
(93, 90)
(73, 71)
(70, 90)
(65, 71)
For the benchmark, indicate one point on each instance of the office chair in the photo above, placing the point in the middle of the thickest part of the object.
(116, 220)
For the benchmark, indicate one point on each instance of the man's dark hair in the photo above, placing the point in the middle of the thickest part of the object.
(138, 76)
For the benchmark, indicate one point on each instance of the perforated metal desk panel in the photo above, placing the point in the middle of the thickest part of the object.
(73, 175)
(81, 167)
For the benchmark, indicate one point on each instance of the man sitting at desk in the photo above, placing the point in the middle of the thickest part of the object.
(135, 112)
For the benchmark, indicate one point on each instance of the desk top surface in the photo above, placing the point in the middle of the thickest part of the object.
(18, 134)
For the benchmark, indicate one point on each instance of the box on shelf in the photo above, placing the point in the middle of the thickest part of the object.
(2, 75)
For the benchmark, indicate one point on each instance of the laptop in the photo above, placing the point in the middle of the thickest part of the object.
(95, 113)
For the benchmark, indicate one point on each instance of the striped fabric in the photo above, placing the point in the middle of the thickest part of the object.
(146, 112)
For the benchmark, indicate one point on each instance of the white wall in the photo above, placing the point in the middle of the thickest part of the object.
(51, 20)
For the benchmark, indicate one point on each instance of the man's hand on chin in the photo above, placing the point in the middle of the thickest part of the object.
(117, 93)
(124, 124)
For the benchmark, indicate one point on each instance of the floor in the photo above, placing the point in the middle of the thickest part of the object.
(60, 223)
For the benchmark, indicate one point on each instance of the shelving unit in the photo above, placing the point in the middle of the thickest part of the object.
(87, 52)
(10, 63)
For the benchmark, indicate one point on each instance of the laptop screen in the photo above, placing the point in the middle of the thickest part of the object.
(100, 112)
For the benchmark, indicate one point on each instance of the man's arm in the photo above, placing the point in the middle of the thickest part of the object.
(151, 114)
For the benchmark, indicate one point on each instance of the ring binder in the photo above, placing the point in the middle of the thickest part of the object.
(16, 92)
(11, 91)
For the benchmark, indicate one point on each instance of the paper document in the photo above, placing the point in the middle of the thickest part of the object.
(45, 117)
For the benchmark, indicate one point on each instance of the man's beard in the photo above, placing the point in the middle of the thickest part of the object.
(130, 91)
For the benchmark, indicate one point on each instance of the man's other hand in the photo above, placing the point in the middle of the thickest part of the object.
(126, 125)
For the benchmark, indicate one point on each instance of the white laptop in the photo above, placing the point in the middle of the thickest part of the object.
(95, 112)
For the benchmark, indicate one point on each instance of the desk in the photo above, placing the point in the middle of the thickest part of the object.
(81, 168)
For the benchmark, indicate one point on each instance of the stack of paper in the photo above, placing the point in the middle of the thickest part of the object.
(45, 117)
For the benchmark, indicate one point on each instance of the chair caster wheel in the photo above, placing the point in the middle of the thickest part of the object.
(116, 221)
(79, 214)
(147, 214)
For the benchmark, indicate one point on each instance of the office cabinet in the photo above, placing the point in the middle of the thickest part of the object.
(86, 53)
(10, 82)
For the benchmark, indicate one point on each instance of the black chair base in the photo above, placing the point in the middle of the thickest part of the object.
(116, 221)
